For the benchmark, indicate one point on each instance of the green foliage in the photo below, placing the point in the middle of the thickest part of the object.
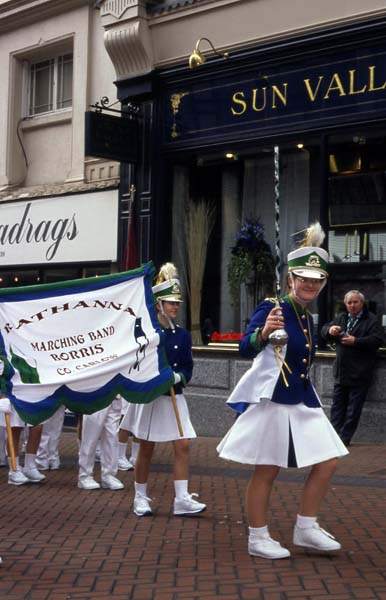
(251, 259)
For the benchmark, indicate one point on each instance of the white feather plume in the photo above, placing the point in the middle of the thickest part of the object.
(314, 235)
(167, 272)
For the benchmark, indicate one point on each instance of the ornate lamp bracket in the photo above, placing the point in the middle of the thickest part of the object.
(131, 110)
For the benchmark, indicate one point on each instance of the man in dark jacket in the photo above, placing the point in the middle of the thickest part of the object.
(357, 335)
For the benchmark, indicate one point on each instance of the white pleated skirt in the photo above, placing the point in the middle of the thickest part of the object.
(156, 421)
(284, 435)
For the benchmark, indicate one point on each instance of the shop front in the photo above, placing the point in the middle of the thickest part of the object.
(287, 107)
(212, 134)
(49, 239)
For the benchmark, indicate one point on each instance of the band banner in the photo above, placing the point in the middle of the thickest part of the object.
(80, 343)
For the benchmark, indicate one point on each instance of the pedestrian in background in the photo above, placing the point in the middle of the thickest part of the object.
(357, 334)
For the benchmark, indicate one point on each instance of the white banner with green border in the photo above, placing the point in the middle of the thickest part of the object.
(80, 343)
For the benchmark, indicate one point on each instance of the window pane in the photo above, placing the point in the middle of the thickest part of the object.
(64, 98)
(51, 85)
(42, 87)
(377, 245)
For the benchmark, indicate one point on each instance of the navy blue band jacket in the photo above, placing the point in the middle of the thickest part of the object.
(281, 374)
(178, 347)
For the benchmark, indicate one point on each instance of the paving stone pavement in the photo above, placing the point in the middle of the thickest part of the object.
(62, 543)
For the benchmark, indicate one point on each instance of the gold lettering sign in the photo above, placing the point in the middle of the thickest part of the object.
(238, 98)
(259, 99)
(319, 87)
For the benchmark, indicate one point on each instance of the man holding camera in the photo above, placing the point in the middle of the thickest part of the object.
(357, 335)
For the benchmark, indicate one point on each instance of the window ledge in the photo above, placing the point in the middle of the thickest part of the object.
(38, 121)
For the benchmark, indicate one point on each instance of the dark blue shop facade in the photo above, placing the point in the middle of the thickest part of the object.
(210, 133)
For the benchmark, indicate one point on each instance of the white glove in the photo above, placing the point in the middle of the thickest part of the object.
(1, 367)
(177, 378)
(5, 405)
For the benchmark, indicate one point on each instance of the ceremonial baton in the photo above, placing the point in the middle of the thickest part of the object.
(279, 337)
(177, 414)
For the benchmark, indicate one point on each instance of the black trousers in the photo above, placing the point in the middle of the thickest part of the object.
(346, 409)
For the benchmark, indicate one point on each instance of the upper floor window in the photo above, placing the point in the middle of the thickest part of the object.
(50, 85)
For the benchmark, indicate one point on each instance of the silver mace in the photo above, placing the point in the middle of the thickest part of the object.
(279, 337)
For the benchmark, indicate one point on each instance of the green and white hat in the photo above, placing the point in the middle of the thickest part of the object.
(308, 262)
(168, 290)
(167, 285)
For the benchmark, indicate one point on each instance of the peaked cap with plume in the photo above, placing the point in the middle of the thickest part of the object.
(167, 285)
(310, 260)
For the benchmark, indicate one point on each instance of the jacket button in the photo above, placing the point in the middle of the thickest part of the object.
(302, 376)
(304, 360)
(307, 345)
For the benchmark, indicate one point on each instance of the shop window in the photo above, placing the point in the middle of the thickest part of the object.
(61, 274)
(97, 271)
(16, 278)
(357, 198)
(242, 190)
(50, 85)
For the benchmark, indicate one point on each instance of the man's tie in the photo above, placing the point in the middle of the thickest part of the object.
(351, 323)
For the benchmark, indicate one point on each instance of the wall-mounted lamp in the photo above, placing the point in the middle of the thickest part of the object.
(196, 59)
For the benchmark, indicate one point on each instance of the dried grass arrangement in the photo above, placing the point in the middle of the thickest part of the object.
(199, 222)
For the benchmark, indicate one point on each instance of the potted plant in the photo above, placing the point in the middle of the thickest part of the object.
(252, 262)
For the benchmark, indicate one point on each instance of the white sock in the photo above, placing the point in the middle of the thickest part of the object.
(134, 450)
(305, 522)
(30, 461)
(17, 464)
(180, 488)
(256, 533)
(122, 449)
(140, 488)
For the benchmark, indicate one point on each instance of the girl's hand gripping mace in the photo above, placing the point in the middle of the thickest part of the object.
(279, 337)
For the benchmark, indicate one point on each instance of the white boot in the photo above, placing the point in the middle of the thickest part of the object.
(123, 463)
(261, 544)
(30, 470)
(16, 477)
(315, 538)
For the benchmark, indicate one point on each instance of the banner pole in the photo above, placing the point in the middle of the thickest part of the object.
(10, 441)
(177, 414)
